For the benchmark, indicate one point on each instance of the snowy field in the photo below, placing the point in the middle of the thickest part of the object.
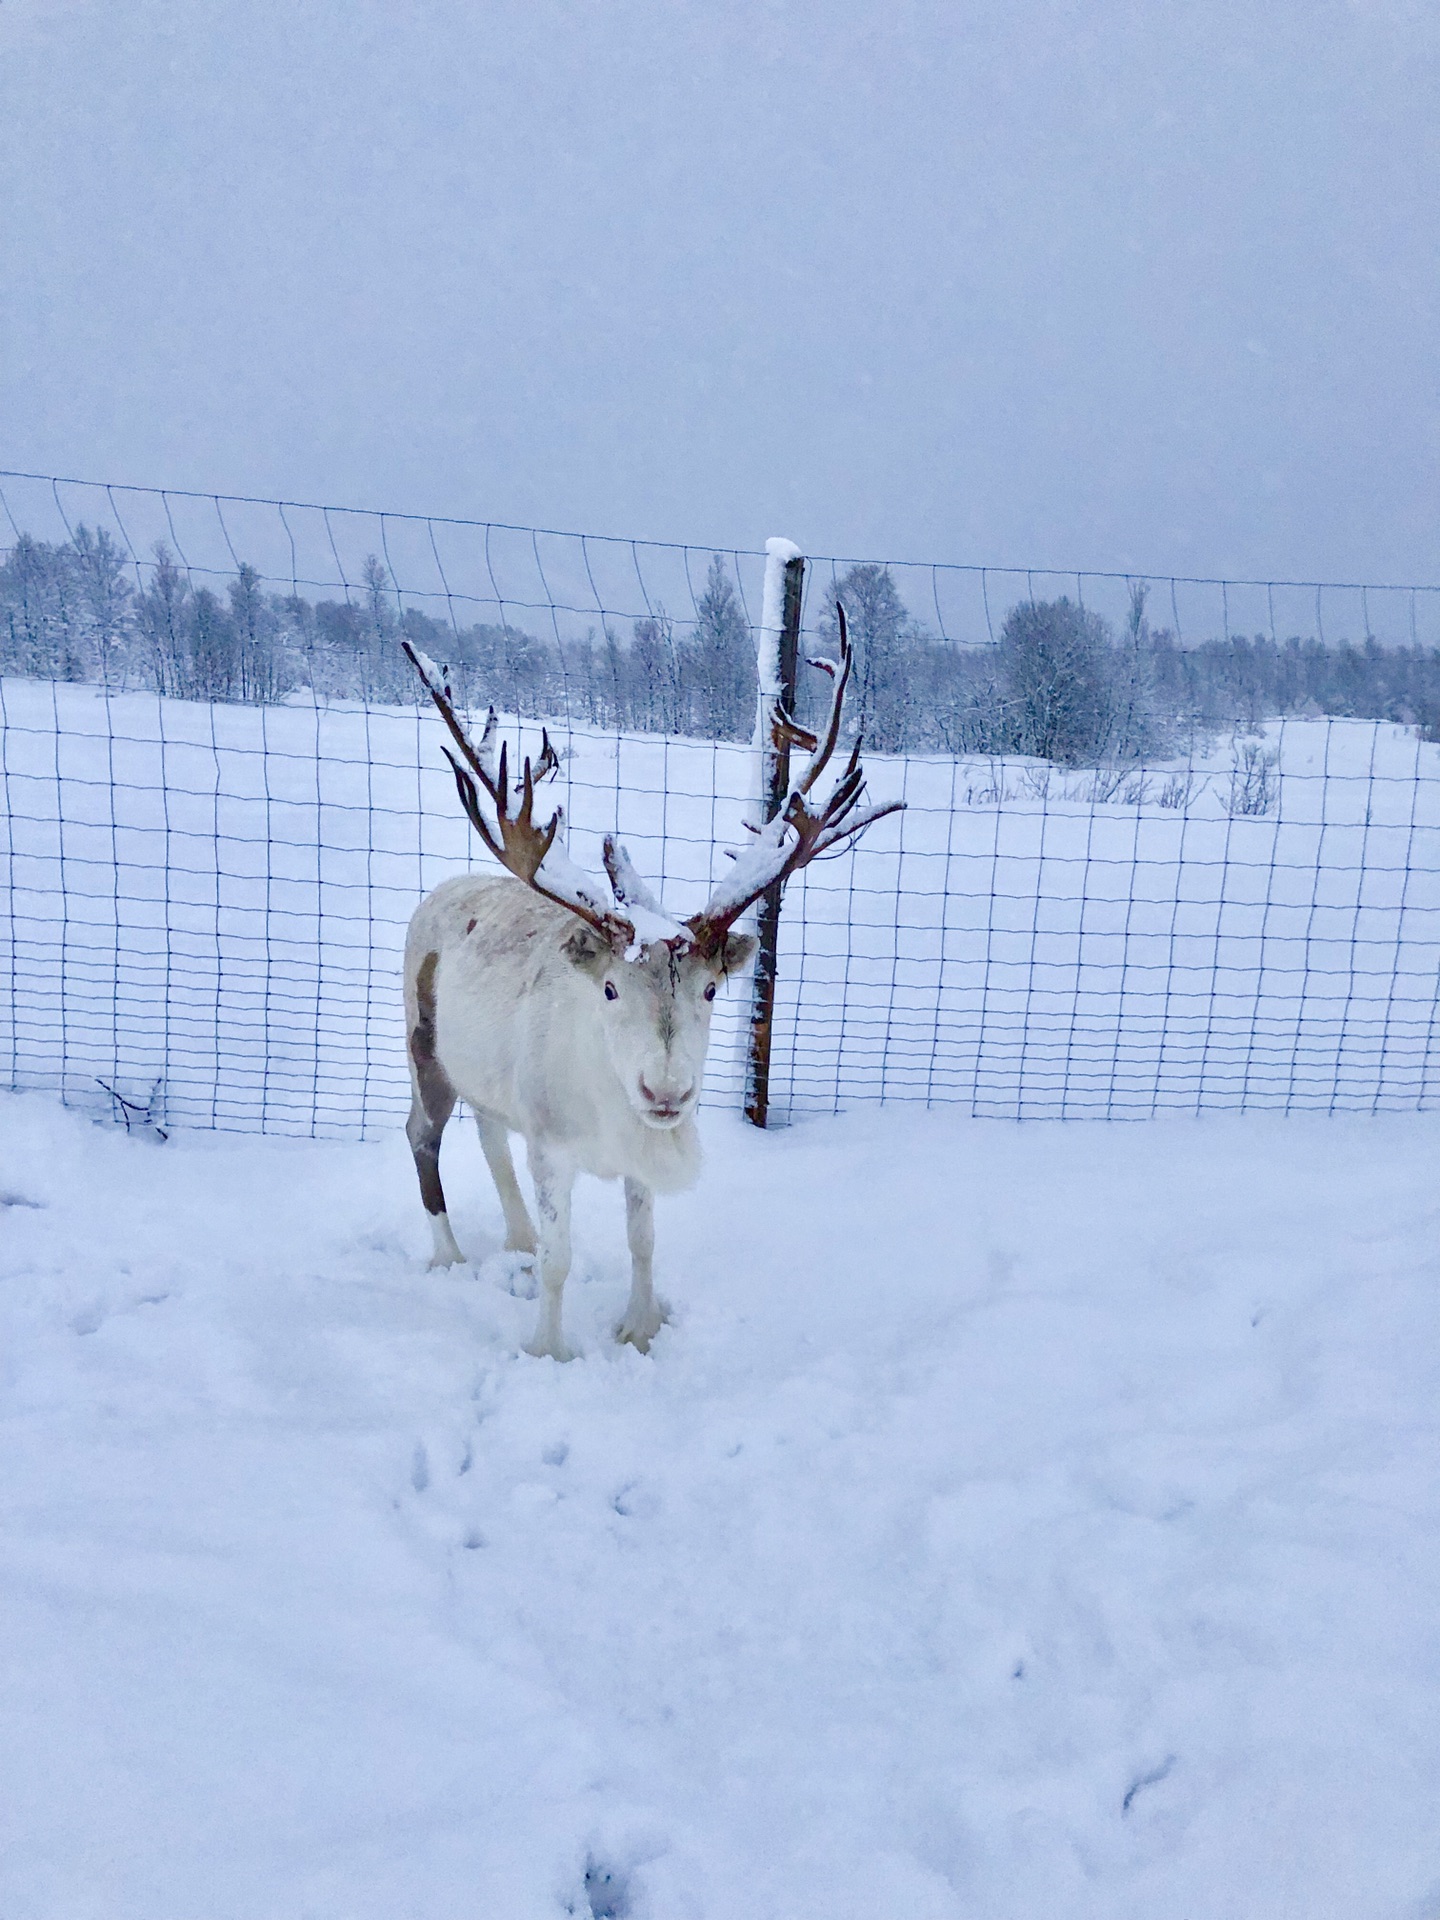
(1012, 1522)
(212, 901)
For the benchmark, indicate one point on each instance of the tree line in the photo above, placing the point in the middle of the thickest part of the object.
(73, 611)
(1059, 683)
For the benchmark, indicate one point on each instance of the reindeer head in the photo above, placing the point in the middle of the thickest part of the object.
(656, 978)
(654, 1004)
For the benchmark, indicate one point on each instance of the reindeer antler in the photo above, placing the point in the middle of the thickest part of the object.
(798, 834)
(529, 851)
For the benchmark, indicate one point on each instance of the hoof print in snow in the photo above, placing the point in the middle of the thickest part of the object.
(1150, 1779)
(473, 1540)
(635, 1501)
(20, 1200)
(88, 1319)
(420, 1468)
(557, 1454)
(607, 1892)
(513, 1273)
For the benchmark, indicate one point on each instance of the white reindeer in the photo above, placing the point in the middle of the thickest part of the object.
(581, 1025)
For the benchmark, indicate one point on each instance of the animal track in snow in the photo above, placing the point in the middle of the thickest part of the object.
(1151, 1779)
(607, 1891)
(513, 1273)
(636, 1500)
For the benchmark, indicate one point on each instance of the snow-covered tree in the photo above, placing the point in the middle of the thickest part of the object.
(880, 631)
(163, 615)
(1056, 680)
(265, 673)
(717, 663)
(106, 595)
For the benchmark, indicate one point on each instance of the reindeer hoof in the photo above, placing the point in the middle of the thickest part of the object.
(639, 1329)
(549, 1350)
(446, 1252)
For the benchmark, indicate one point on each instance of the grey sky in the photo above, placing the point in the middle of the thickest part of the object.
(1147, 286)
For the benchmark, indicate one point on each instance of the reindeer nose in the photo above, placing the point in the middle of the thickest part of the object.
(665, 1105)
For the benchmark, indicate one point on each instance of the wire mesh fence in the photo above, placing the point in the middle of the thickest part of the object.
(205, 899)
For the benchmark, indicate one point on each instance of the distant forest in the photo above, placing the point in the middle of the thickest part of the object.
(1059, 683)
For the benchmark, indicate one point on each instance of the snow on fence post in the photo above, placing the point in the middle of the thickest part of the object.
(777, 660)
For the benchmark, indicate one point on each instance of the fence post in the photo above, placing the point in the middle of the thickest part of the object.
(777, 661)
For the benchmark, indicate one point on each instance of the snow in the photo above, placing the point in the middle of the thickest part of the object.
(651, 924)
(1013, 1521)
(756, 864)
(560, 875)
(778, 555)
(433, 676)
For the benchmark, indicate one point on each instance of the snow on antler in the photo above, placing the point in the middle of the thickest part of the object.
(798, 834)
(651, 922)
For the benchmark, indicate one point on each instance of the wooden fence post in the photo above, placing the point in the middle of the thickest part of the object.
(778, 657)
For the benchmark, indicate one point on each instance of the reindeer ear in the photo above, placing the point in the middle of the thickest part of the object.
(585, 949)
(738, 951)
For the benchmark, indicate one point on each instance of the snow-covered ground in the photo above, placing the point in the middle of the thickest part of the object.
(1013, 1522)
(213, 900)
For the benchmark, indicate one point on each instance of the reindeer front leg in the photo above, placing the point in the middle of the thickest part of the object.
(553, 1183)
(644, 1315)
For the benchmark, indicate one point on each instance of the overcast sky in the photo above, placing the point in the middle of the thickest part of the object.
(1065, 282)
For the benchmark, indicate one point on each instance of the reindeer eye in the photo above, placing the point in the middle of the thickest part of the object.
(611, 991)
(710, 991)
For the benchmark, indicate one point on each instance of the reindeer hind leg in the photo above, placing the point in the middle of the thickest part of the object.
(431, 1105)
(495, 1141)
(553, 1182)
